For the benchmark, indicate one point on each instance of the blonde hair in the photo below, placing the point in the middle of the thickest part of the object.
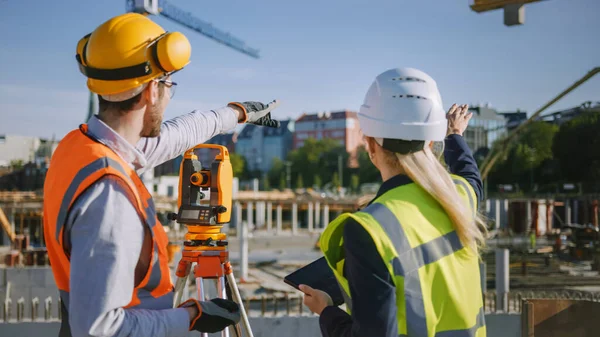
(425, 170)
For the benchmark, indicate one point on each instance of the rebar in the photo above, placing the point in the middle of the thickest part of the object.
(34, 308)
(48, 308)
(7, 309)
(20, 309)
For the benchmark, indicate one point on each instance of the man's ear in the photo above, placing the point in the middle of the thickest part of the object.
(151, 93)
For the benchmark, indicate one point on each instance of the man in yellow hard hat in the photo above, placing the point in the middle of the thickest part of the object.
(107, 249)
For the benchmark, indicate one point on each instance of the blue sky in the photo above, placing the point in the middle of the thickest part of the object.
(316, 55)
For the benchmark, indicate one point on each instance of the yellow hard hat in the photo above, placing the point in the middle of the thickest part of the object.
(126, 52)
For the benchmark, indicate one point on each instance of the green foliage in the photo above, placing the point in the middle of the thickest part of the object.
(299, 182)
(354, 182)
(577, 148)
(238, 164)
(335, 180)
(277, 169)
(266, 184)
(317, 181)
(367, 172)
(16, 164)
(282, 182)
(318, 158)
(529, 159)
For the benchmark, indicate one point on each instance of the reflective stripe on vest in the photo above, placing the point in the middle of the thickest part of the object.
(407, 263)
(67, 178)
(404, 261)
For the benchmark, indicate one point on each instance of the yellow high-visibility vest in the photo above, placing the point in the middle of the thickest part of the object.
(438, 290)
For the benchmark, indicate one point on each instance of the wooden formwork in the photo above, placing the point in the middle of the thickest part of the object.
(559, 317)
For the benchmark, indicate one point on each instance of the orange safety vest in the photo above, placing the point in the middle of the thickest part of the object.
(78, 162)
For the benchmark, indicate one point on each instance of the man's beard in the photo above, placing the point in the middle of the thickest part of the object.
(152, 122)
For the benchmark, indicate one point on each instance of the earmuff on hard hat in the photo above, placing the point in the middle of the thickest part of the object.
(126, 52)
(168, 52)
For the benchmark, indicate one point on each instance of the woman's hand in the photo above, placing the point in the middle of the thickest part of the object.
(315, 300)
(458, 119)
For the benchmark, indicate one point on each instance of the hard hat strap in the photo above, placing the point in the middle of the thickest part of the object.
(135, 71)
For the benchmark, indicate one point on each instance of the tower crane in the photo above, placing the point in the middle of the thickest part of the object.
(164, 8)
(175, 14)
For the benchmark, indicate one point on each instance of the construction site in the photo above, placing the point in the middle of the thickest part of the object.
(539, 267)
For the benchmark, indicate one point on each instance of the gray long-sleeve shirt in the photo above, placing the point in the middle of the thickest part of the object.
(107, 235)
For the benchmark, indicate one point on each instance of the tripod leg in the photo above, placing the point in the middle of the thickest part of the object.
(179, 289)
(238, 298)
(222, 294)
(183, 271)
(200, 296)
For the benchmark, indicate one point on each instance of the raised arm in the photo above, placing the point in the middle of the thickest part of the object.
(107, 237)
(457, 154)
(183, 132)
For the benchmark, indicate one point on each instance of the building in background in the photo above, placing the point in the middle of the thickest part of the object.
(260, 145)
(340, 125)
(514, 119)
(24, 162)
(23, 149)
(563, 116)
(485, 127)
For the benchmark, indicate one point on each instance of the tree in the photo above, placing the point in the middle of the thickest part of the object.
(354, 183)
(238, 164)
(317, 181)
(299, 182)
(577, 148)
(282, 182)
(319, 158)
(274, 174)
(528, 159)
(16, 164)
(266, 184)
(367, 172)
(335, 180)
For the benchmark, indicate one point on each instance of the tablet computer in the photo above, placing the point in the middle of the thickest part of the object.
(317, 275)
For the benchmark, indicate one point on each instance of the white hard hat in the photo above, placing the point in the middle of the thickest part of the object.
(403, 104)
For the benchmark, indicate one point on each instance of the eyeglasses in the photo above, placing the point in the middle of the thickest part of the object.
(169, 84)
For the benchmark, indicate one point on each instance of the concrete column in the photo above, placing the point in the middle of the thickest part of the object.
(487, 207)
(260, 214)
(317, 215)
(269, 217)
(294, 218)
(279, 218)
(497, 217)
(237, 208)
(504, 214)
(310, 217)
(576, 211)
(502, 279)
(567, 212)
(249, 213)
(325, 215)
(244, 251)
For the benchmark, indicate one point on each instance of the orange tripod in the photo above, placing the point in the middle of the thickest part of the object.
(204, 244)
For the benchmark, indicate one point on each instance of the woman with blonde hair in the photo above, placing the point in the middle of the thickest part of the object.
(408, 263)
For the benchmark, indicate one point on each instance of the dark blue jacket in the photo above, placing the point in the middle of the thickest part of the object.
(371, 286)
